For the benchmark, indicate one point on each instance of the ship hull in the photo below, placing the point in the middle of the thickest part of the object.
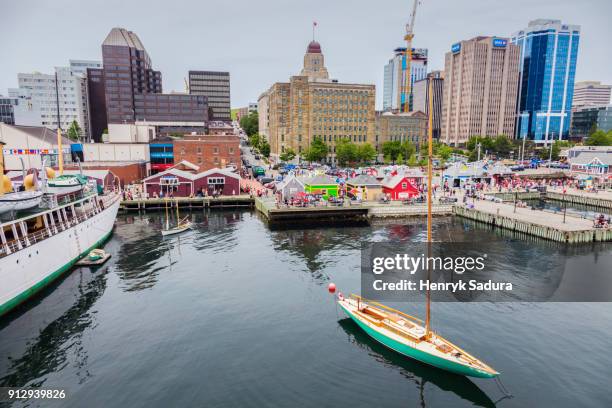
(24, 273)
(415, 353)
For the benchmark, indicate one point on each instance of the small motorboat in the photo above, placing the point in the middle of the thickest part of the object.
(96, 254)
(66, 184)
(94, 258)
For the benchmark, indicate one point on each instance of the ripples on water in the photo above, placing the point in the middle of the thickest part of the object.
(235, 314)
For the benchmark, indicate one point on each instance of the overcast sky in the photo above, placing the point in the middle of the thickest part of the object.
(263, 41)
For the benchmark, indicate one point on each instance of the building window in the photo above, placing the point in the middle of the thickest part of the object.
(215, 150)
(199, 150)
(199, 160)
(216, 180)
(404, 186)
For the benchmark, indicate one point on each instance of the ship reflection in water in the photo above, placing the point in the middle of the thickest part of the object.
(233, 313)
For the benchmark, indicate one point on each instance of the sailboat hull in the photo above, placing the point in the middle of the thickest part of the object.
(415, 353)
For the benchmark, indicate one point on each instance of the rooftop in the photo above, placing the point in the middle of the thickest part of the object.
(122, 37)
(314, 48)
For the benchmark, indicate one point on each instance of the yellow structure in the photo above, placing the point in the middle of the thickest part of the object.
(311, 105)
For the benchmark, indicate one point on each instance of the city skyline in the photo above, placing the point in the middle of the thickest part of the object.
(356, 44)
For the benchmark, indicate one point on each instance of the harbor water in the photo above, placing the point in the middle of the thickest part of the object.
(236, 314)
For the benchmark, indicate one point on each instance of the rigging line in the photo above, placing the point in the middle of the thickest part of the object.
(502, 388)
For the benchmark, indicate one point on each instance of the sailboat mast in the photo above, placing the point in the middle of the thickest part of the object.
(60, 153)
(167, 216)
(429, 197)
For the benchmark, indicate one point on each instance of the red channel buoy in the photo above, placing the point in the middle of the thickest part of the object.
(331, 288)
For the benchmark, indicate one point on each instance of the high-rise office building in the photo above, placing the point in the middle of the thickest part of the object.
(480, 89)
(215, 86)
(549, 50)
(420, 100)
(132, 90)
(64, 92)
(401, 127)
(7, 113)
(591, 93)
(586, 119)
(292, 114)
(81, 66)
(395, 71)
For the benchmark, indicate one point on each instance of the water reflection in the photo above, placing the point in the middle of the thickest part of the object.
(60, 341)
(418, 373)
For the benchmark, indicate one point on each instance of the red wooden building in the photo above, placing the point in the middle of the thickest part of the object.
(220, 181)
(399, 187)
(180, 183)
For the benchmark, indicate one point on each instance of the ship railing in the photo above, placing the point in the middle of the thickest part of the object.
(23, 242)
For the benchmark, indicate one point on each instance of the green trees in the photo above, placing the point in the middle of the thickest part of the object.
(264, 147)
(392, 149)
(499, 145)
(346, 152)
(74, 131)
(599, 138)
(250, 123)
(255, 139)
(366, 153)
(442, 151)
(397, 151)
(317, 151)
(287, 155)
(260, 143)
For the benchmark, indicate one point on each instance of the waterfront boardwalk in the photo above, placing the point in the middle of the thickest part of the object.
(156, 204)
(539, 223)
(601, 199)
(543, 224)
(365, 210)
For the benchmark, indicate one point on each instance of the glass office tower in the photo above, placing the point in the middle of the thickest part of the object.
(549, 50)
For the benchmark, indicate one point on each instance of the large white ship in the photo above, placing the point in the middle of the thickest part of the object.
(37, 248)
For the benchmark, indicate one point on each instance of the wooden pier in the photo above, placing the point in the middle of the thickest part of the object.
(362, 211)
(537, 223)
(157, 204)
(600, 200)
(583, 199)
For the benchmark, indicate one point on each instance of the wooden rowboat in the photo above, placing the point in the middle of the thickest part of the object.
(184, 226)
(406, 335)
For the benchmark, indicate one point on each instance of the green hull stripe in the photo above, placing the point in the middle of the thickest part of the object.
(30, 292)
(419, 355)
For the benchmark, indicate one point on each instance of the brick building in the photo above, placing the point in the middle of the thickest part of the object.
(402, 127)
(208, 151)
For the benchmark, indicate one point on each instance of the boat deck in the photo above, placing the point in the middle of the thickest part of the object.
(407, 329)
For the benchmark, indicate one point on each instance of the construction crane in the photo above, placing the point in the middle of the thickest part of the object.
(405, 88)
